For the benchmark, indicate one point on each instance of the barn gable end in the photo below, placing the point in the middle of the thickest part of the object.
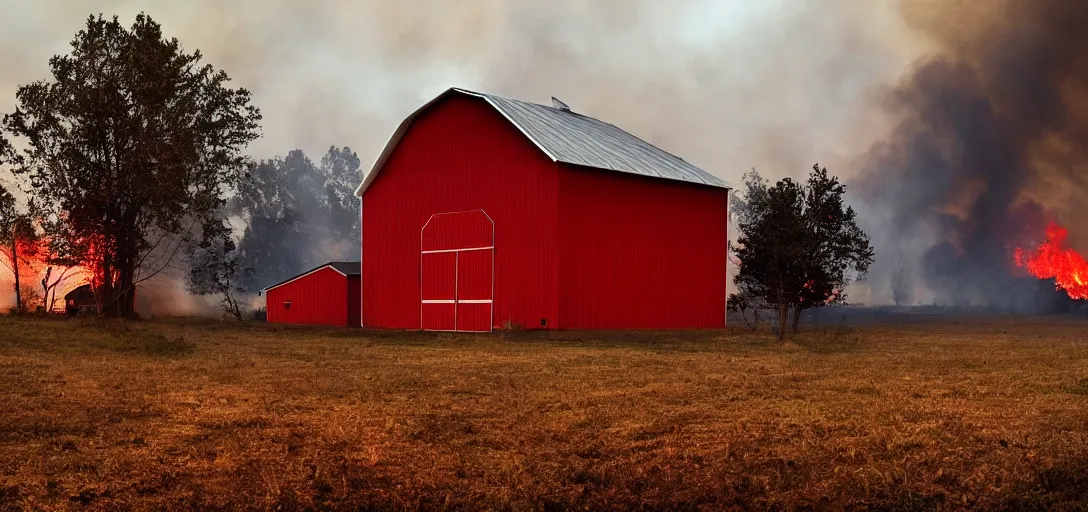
(568, 138)
(458, 155)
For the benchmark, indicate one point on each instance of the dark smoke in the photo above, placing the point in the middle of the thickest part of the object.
(991, 145)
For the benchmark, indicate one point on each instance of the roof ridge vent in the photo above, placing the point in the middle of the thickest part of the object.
(559, 104)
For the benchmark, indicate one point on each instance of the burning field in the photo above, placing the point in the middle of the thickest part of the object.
(980, 413)
(1053, 260)
(981, 184)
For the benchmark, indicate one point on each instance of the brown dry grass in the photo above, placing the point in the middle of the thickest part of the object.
(982, 413)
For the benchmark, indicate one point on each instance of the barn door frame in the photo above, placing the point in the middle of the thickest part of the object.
(456, 269)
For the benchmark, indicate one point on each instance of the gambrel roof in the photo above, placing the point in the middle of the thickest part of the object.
(571, 138)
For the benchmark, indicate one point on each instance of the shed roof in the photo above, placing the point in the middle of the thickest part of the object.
(344, 268)
(572, 138)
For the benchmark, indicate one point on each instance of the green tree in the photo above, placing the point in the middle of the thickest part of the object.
(838, 250)
(799, 244)
(132, 144)
(770, 246)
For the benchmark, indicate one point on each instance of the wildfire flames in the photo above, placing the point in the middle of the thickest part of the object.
(1052, 260)
(34, 267)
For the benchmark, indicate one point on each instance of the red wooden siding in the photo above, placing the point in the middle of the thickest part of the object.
(318, 298)
(639, 252)
(458, 230)
(460, 155)
(456, 271)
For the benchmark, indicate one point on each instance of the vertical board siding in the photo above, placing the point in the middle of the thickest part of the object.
(474, 275)
(639, 252)
(462, 155)
(439, 276)
(319, 298)
(458, 230)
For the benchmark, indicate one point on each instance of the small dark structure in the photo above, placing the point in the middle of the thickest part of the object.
(80, 301)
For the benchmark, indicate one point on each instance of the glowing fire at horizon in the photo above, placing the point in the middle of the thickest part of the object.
(1052, 260)
(34, 260)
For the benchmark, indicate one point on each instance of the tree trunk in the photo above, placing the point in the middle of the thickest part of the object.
(783, 317)
(796, 317)
(126, 298)
(233, 307)
(126, 276)
(45, 290)
(105, 296)
(15, 267)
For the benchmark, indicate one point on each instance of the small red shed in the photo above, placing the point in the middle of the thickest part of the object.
(484, 212)
(326, 295)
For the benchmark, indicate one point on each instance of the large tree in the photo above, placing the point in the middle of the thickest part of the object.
(130, 145)
(799, 244)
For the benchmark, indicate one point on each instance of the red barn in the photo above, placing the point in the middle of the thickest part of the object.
(326, 295)
(484, 212)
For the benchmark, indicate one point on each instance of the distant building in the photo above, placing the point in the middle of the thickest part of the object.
(81, 301)
(484, 212)
(326, 295)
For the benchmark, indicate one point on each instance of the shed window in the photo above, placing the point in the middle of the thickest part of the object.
(286, 304)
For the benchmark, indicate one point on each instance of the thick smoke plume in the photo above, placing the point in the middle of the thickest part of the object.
(992, 144)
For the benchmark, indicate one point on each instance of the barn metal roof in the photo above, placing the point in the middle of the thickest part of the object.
(348, 268)
(344, 268)
(572, 138)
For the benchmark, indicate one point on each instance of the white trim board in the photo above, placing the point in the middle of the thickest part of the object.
(457, 301)
(296, 278)
(435, 251)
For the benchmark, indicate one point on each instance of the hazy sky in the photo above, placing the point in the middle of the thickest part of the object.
(726, 84)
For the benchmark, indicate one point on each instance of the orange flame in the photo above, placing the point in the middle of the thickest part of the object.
(34, 259)
(1052, 260)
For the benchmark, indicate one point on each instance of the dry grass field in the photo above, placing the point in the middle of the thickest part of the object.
(983, 413)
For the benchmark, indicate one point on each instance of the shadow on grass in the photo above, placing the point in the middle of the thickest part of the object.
(841, 340)
(125, 337)
(1062, 487)
(55, 332)
(731, 339)
(1079, 388)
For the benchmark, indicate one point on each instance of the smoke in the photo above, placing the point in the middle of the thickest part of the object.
(961, 126)
(990, 145)
(165, 295)
(727, 84)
